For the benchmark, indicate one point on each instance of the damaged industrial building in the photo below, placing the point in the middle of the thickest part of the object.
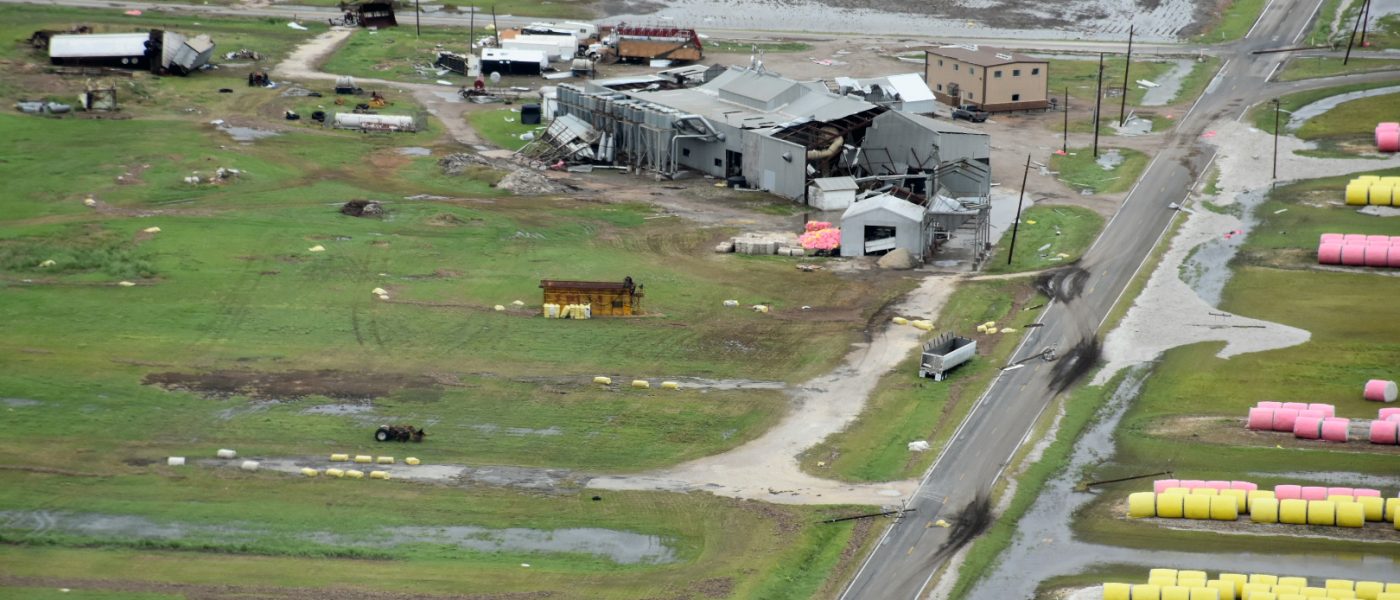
(758, 130)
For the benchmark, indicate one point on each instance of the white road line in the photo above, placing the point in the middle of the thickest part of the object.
(1210, 85)
(1260, 19)
(1309, 21)
(1277, 66)
(1121, 206)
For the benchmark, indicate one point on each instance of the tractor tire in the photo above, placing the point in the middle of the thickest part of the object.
(382, 435)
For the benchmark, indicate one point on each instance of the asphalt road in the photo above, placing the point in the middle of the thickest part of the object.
(912, 549)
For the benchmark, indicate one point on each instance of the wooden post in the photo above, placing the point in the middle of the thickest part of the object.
(1016, 225)
(1098, 104)
(1123, 106)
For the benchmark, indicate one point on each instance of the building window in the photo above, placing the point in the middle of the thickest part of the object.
(685, 151)
(1015, 72)
(972, 70)
(955, 66)
(719, 163)
(1015, 97)
(969, 95)
(1035, 71)
(940, 62)
(996, 74)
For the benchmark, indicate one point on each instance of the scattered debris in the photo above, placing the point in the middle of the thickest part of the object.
(919, 446)
(316, 248)
(362, 208)
(526, 182)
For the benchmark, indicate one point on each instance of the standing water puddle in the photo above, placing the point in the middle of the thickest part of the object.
(1044, 545)
(1309, 111)
(415, 151)
(622, 547)
(1110, 159)
(243, 134)
(1168, 85)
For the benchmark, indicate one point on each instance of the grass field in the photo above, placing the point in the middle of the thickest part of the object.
(1067, 230)
(1081, 77)
(737, 47)
(1080, 170)
(393, 53)
(552, 9)
(1351, 126)
(501, 127)
(1310, 67)
(236, 335)
(1233, 23)
(1262, 115)
(905, 408)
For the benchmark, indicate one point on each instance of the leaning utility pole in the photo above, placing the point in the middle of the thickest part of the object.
(1016, 225)
(1098, 104)
(1352, 38)
(1276, 111)
(417, 20)
(1365, 20)
(1123, 106)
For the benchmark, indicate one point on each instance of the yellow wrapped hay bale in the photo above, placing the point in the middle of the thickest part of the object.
(1197, 507)
(1205, 492)
(1142, 505)
(1389, 596)
(1314, 592)
(1293, 512)
(1341, 594)
(1146, 592)
(1322, 512)
(1288, 590)
(1373, 507)
(1241, 499)
(1161, 581)
(900, 321)
(364, 459)
(1392, 508)
(1297, 582)
(336, 473)
(1171, 506)
(670, 385)
(1260, 494)
(1339, 584)
(1339, 498)
(1205, 593)
(384, 460)
(354, 474)
(641, 384)
(1236, 581)
(340, 457)
(1223, 508)
(603, 380)
(1191, 578)
(1264, 578)
(1369, 590)
(1162, 573)
(310, 472)
(1351, 514)
(1117, 591)
(1358, 193)
(1251, 591)
(923, 325)
(411, 461)
(1226, 588)
(1264, 510)
(378, 474)
(1176, 592)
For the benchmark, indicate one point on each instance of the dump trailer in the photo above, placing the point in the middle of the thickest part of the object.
(635, 43)
(945, 352)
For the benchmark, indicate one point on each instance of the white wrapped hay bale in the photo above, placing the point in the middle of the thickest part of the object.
(226, 453)
(249, 465)
(175, 461)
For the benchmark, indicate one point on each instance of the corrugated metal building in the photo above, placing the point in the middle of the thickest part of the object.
(880, 224)
(774, 133)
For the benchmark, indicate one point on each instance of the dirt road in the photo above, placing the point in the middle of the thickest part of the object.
(442, 101)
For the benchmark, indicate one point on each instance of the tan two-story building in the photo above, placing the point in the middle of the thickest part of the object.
(992, 79)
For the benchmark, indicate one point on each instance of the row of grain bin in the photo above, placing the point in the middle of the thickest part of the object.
(1373, 190)
(1358, 250)
(1173, 584)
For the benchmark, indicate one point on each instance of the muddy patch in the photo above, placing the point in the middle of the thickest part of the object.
(244, 134)
(339, 410)
(340, 385)
(415, 151)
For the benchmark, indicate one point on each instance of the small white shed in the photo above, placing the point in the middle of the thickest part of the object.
(831, 193)
(882, 223)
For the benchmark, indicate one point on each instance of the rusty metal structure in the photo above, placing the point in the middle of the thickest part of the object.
(607, 298)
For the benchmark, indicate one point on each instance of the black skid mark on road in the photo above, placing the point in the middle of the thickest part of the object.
(968, 523)
(1063, 284)
(1075, 364)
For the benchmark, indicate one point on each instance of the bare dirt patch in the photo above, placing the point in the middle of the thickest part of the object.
(342, 385)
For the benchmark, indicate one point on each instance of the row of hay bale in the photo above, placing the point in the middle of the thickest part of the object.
(920, 324)
(1173, 584)
(1347, 507)
(1358, 250)
(365, 459)
(345, 473)
(1372, 189)
(1315, 421)
(567, 311)
(640, 384)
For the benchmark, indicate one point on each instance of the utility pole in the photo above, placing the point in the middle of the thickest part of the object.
(1065, 146)
(1016, 225)
(1123, 106)
(1276, 111)
(471, 34)
(495, 31)
(1365, 21)
(417, 20)
(1351, 39)
(1098, 105)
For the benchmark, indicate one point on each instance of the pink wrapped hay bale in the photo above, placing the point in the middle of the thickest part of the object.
(1288, 491)
(1341, 491)
(1329, 253)
(1327, 409)
(1377, 255)
(1380, 390)
(1218, 485)
(1385, 414)
(1354, 255)
(1284, 419)
(1308, 428)
(1160, 486)
(1384, 432)
(1332, 238)
(1335, 430)
(1378, 239)
(1260, 418)
(1313, 492)
(1243, 485)
(1366, 492)
(1268, 404)
(1192, 484)
(1295, 405)
(1354, 238)
(1313, 414)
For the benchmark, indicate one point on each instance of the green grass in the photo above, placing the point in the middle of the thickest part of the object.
(1080, 409)
(552, 9)
(1262, 115)
(1067, 230)
(1212, 185)
(1290, 239)
(1311, 67)
(1079, 170)
(34, 593)
(737, 47)
(1322, 32)
(1234, 22)
(1196, 81)
(905, 408)
(392, 54)
(1081, 77)
(501, 127)
(1351, 126)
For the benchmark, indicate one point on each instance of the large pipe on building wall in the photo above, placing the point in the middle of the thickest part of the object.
(676, 139)
(829, 151)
